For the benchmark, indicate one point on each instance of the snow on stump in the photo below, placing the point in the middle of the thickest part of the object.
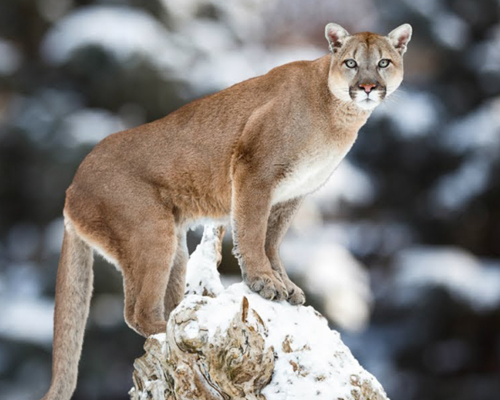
(233, 344)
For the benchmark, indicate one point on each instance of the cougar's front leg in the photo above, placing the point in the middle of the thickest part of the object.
(251, 205)
(279, 221)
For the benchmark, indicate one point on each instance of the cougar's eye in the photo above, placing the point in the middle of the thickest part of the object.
(351, 63)
(384, 63)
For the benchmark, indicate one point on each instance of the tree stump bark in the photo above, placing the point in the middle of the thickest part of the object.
(230, 343)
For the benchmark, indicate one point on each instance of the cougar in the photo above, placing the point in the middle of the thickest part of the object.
(246, 155)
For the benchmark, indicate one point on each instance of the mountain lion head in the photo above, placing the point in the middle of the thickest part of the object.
(366, 68)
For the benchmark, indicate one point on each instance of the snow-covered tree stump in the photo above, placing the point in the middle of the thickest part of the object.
(230, 343)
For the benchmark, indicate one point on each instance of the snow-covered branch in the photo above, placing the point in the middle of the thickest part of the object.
(230, 343)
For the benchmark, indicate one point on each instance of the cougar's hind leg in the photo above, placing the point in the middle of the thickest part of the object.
(150, 252)
(177, 281)
(130, 300)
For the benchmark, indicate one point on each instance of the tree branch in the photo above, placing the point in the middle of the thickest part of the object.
(230, 343)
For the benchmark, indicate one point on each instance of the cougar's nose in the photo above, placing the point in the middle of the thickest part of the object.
(367, 87)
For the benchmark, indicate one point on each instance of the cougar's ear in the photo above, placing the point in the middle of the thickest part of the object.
(400, 37)
(336, 36)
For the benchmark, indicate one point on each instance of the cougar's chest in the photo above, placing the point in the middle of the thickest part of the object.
(308, 174)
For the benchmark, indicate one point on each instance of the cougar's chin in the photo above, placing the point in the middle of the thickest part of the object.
(367, 104)
(368, 101)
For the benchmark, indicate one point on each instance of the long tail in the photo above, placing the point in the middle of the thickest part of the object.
(73, 293)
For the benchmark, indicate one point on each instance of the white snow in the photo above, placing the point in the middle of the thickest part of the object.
(234, 66)
(89, 126)
(243, 18)
(344, 284)
(477, 131)
(39, 113)
(424, 7)
(451, 30)
(485, 57)
(225, 68)
(412, 113)
(476, 136)
(453, 269)
(208, 55)
(22, 280)
(326, 364)
(448, 28)
(348, 184)
(27, 319)
(201, 277)
(454, 191)
(124, 31)
(333, 275)
(207, 36)
(324, 359)
(192, 330)
(24, 314)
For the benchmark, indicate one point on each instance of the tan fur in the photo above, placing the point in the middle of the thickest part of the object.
(248, 153)
(73, 292)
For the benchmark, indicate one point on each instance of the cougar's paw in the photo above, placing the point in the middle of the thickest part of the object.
(149, 329)
(267, 285)
(147, 326)
(295, 294)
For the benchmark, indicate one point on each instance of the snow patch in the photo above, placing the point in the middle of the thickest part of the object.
(27, 319)
(310, 359)
(451, 30)
(450, 268)
(243, 18)
(478, 131)
(89, 126)
(123, 31)
(455, 190)
(201, 277)
(485, 57)
(337, 279)
(413, 114)
(347, 184)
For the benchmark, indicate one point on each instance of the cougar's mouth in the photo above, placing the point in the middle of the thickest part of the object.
(367, 100)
